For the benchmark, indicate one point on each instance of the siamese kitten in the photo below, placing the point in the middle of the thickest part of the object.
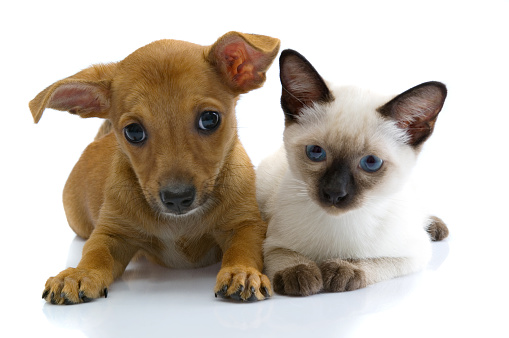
(339, 214)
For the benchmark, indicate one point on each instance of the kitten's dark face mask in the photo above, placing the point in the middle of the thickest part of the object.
(338, 182)
(335, 186)
(339, 186)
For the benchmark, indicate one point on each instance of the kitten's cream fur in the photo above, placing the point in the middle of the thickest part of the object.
(311, 247)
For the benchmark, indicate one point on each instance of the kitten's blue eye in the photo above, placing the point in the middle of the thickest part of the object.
(371, 163)
(315, 153)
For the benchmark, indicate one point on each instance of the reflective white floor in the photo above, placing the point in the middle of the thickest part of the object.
(390, 46)
(156, 299)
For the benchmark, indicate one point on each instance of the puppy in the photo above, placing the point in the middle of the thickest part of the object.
(339, 215)
(166, 176)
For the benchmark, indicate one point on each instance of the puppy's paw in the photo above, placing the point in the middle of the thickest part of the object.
(73, 286)
(298, 280)
(437, 229)
(339, 276)
(242, 283)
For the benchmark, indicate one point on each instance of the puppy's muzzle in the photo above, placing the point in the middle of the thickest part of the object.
(178, 199)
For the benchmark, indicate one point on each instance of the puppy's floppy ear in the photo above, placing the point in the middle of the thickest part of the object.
(416, 110)
(302, 85)
(86, 94)
(243, 59)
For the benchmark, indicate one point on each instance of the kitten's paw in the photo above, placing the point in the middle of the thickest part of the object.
(242, 283)
(73, 286)
(298, 280)
(339, 276)
(437, 229)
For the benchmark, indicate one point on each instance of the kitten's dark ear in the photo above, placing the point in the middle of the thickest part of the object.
(416, 110)
(302, 85)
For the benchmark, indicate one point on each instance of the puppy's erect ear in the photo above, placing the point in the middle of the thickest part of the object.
(86, 94)
(302, 85)
(416, 110)
(243, 59)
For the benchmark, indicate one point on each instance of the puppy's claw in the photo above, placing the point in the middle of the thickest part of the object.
(237, 294)
(265, 292)
(68, 302)
(222, 292)
(84, 298)
(105, 292)
(52, 300)
(252, 298)
(45, 294)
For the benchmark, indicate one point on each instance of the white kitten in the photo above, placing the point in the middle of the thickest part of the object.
(340, 216)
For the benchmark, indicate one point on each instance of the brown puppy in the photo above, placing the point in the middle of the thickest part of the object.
(166, 175)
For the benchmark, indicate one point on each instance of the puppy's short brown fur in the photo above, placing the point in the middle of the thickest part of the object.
(166, 175)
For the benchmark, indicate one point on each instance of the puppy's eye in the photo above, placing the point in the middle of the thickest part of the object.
(209, 120)
(316, 153)
(134, 133)
(371, 163)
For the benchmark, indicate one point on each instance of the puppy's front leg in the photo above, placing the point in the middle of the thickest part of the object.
(292, 273)
(105, 257)
(241, 275)
(351, 274)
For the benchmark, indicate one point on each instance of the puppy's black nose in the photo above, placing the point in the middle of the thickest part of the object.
(179, 198)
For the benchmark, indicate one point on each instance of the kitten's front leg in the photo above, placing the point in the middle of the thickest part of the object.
(341, 275)
(292, 273)
(346, 275)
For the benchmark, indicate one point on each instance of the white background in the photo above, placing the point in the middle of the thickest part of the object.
(388, 46)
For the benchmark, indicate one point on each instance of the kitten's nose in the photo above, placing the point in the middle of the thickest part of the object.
(334, 196)
(178, 198)
(337, 186)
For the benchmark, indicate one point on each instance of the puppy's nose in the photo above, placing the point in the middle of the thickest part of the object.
(179, 198)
